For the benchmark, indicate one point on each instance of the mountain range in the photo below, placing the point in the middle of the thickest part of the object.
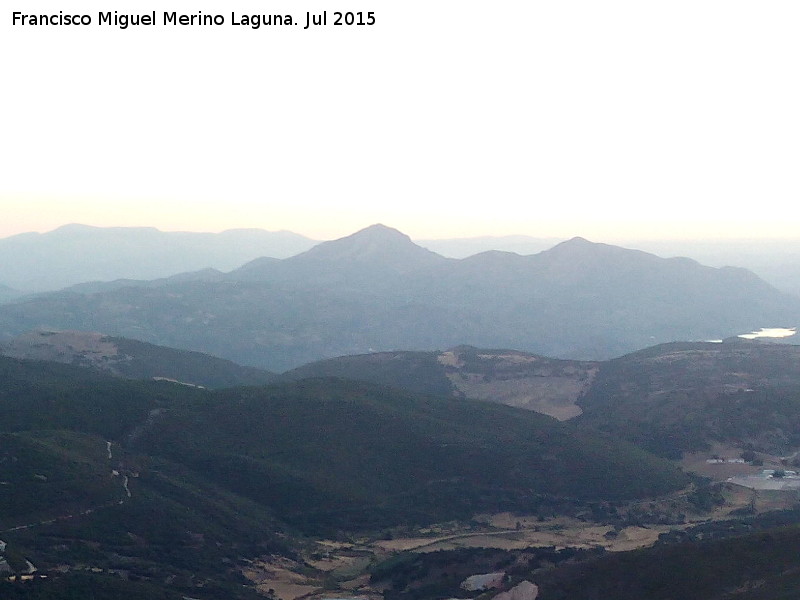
(777, 261)
(376, 290)
(72, 254)
(78, 254)
(8, 293)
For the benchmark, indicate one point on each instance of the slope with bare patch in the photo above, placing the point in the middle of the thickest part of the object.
(519, 379)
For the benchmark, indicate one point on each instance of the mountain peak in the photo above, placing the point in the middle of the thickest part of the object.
(576, 248)
(378, 227)
(576, 242)
(579, 247)
(379, 231)
(377, 244)
(374, 249)
(578, 256)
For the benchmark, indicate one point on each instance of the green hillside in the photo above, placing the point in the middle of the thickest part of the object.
(669, 398)
(750, 558)
(316, 449)
(46, 395)
(545, 385)
(146, 361)
(132, 359)
(681, 397)
(418, 372)
(170, 483)
(327, 453)
(71, 499)
(49, 473)
(80, 586)
(758, 566)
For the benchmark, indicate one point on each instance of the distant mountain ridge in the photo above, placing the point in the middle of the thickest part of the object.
(775, 260)
(73, 254)
(7, 294)
(77, 254)
(376, 290)
(469, 246)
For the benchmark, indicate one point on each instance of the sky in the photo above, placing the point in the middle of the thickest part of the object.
(611, 120)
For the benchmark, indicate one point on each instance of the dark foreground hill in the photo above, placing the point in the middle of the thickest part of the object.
(74, 506)
(751, 559)
(173, 483)
(175, 488)
(376, 291)
(758, 566)
(73, 498)
(331, 453)
(38, 395)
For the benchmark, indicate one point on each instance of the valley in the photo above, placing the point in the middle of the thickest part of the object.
(370, 521)
(342, 569)
(247, 451)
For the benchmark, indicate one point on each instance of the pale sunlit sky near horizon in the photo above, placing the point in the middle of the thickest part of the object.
(607, 119)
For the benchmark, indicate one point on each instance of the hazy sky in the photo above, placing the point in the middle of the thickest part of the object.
(608, 119)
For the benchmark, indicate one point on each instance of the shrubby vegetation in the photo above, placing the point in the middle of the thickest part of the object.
(94, 586)
(220, 476)
(144, 361)
(43, 395)
(80, 586)
(332, 453)
(417, 372)
(681, 397)
(432, 575)
(754, 566)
